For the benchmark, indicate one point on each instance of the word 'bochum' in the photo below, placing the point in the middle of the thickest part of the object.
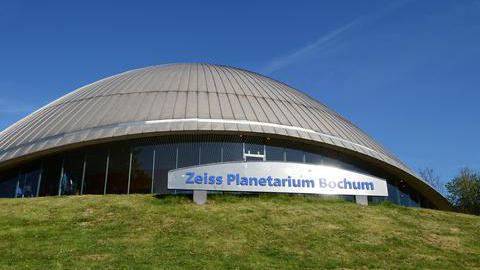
(345, 184)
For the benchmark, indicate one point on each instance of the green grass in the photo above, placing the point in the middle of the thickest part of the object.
(232, 232)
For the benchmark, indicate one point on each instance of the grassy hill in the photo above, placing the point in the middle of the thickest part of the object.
(256, 232)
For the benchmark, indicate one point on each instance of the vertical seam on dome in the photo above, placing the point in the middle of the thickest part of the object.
(168, 78)
(341, 125)
(216, 91)
(91, 106)
(58, 125)
(145, 84)
(109, 86)
(33, 129)
(253, 97)
(226, 93)
(155, 101)
(273, 100)
(268, 106)
(244, 95)
(234, 94)
(16, 133)
(299, 119)
(287, 92)
(171, 80)
(106, 115)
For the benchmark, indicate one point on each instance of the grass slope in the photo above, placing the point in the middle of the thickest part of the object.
(264, 232)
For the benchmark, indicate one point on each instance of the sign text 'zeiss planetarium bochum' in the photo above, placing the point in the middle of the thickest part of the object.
(276, 177)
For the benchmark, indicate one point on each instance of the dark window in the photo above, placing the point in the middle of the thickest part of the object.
(51, 170)
(232, 151)
(275, 153)
(424, 202)
(408, 196)
(393, 195)
(403, 193)
(8, 184)
(414, 198)
(348, 198)
(313, 158)
(165, 160)
(142, 165)
(188, 154)
(71, 181)
(350, 167)
(331, 162)
(294, 155)
(118, 167)
(28, 181)
(210, 152)
(376, 199)
(95, 171)
(254, 151)
(253, 148)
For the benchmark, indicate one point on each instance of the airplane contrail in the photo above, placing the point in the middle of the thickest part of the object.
(327, 39)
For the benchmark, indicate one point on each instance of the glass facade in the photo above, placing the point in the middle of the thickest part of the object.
(118, 170)
(8, 184)
(95, 171)
(28, 181)
(51, 173)
(141, 169)
(71, 179)
(142, 165)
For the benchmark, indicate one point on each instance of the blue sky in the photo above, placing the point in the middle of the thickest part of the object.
(406, 72)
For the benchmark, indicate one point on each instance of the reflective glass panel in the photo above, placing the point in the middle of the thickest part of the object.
(28, 181)
(331, 162)
(142, 165)
(294, 155)
(348, 198)
(232, 151)
(165, 160)
(403, 193)
(414, 200)
(71, 181)
(188, 154)
(210, 152)
(118, 168)
(51, 169)
(95, 171)
(424, 202)
(254, 148)
(393, 195)
(376, 199)
(8, 184)
(275, 153)
(313, 158)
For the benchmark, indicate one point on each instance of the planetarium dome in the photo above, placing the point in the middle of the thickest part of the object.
(193, 102)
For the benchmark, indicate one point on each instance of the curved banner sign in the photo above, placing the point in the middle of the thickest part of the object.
(280, 177)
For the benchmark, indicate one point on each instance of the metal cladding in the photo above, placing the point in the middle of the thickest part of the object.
(185, 98)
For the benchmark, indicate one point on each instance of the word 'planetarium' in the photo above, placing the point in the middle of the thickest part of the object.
(180, 128)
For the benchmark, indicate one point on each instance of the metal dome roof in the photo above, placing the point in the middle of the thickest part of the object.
(185, 97)
(181, 97)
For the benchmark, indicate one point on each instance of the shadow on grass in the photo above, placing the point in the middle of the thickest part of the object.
(233, 197)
